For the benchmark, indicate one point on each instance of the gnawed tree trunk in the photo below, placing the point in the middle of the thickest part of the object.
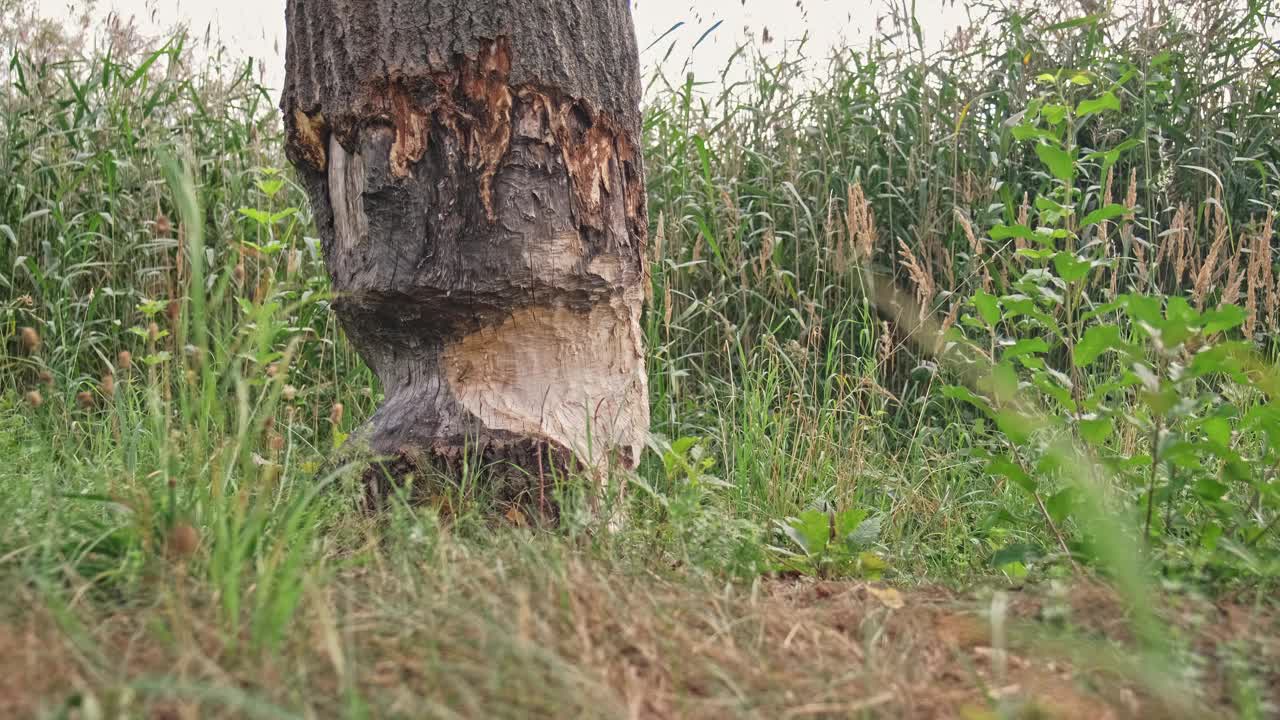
(475, 171)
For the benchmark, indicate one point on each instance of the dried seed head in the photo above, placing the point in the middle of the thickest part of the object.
(46, 377)
(35, 399)
(1234, 280)
(153, 331)
(183, 540)
(289, 392)
(947, 323)
(1210, 265)
(975, 246)
(273, 369)
(919, 277)
(163, 225)
(1102, 227)
(1172, 246)
(860, 224)
(30, 339)
(85, 399)
(884, 345)
(275, 441)
(124, 360)
(1267, 263)
(268, 423)
(335, 413)
(1024, 217)
(108, 384)
(173, 311)
(237, 274)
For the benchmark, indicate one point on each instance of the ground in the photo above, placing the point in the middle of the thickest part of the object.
(576, 639)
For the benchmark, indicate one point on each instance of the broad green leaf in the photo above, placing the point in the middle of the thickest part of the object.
(849, 520)
(1027, 131)
(1054, 113)
(270, 186)
(959, 392)
(1144, 309)
(811, 531)
(1095, 431)
(1028, 346)
(1222, 318)
(1059, 391)
(1104, 213)
(1015, 554)
(1059, 161)
(1004, 381)
(1004, 232)
(1003, 466)
(1178, 310)
(277, 217)
(1017, 426)
(988, 307)
(1070, 267)
(259, 216)
(1097, 340)
(1062, 503)
(865, 534)
(1105, 101)
(1209, 489)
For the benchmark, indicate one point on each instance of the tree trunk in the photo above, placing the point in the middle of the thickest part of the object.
(474, 166)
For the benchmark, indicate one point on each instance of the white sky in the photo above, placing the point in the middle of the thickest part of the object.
(256, 27)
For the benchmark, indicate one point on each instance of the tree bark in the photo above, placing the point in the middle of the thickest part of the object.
(476, 179)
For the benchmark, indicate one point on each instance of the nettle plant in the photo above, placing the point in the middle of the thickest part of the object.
(1135, 411)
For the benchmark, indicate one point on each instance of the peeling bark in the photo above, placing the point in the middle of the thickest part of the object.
(480, 199)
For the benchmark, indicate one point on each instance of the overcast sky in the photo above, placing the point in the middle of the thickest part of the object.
(256, 27)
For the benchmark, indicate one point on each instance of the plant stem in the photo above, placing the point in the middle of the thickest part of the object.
(1151, 486)
(1053, 527)
(1254, 540)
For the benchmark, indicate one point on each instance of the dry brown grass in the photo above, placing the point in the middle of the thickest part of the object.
(921, 278)
(525, 634)
(857, 245)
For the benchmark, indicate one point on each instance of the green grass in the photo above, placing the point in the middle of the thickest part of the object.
(177, 541)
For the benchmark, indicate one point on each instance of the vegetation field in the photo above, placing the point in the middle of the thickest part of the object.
(962, 366)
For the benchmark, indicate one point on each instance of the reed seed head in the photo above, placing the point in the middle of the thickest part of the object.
(183, 541)
(30, 339)
(85, 399)
(35, 399)
(335, 413)
(124, 360)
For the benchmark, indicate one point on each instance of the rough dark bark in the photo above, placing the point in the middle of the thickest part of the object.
(475, 173)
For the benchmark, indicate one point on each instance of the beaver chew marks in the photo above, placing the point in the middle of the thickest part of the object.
(480, 202)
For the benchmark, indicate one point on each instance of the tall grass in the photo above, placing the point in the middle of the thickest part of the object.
(826, 254)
